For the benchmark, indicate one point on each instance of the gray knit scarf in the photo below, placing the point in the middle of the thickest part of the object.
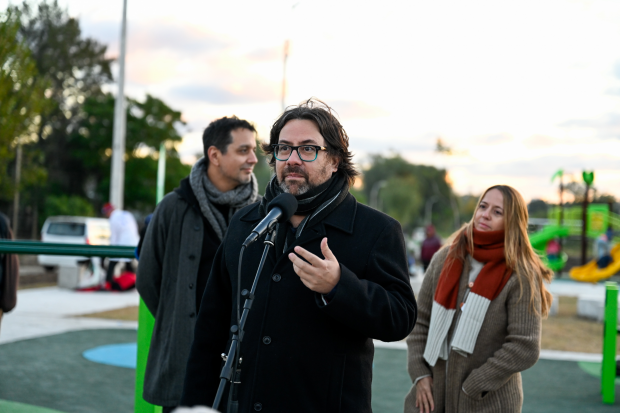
(206, 193)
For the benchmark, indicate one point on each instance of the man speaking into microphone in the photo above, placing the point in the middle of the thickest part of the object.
(335, 279)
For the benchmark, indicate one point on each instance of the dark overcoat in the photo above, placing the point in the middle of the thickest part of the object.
(299, 354)
(168, 275)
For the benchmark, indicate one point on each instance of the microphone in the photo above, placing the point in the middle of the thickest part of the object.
(281, 209)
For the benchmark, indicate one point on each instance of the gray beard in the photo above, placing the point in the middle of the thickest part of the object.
(302, 189)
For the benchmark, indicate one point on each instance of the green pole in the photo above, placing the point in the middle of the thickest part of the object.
(608, 375)
(146, 321)
(161, 172)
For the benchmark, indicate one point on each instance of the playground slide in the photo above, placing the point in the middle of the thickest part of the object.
(591, 273)
(540, 239)
(539, 242)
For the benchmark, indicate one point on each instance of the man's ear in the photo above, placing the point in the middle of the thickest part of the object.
(334, 163)
(213, 154)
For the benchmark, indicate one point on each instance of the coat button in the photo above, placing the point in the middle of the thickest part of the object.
(258, 407)
(191, 286)
(267, 340)
(471, 284)
(191, 257)
(196, 227)
(192, 315)
(276, 277)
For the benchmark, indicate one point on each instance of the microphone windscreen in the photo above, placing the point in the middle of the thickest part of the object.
(287, 203)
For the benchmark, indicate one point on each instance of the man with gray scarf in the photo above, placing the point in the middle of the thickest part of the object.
(179, 246)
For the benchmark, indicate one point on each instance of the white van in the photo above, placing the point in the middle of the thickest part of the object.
(72, 230)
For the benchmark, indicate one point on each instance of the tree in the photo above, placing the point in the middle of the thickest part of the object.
(467, 206)
(537, 208)
(22, 99)
(148, 124)
(409, 190)
(75, 68)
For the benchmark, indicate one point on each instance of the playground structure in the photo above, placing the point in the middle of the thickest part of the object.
(599, 218)
(591, 273)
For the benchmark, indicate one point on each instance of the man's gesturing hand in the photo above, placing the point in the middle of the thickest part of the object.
(317, 274)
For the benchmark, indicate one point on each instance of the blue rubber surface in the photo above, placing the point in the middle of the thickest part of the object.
(119, 355)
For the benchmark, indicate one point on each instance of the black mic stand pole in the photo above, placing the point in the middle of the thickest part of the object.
(233, 353)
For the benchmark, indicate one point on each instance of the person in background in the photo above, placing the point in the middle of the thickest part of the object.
(180, 242)
(610, 234)
(553, 249)
(481, 305)
(123, 231)
(9, 271)
(430, 246)
(603, 251)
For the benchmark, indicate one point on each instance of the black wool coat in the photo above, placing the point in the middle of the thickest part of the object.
(178, 243)
(300, 355)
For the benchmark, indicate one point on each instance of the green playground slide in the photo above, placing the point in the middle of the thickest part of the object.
(539, 242)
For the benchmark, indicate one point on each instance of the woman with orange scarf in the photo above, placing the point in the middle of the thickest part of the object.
(480, 310)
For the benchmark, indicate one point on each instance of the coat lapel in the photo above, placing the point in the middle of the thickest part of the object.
(342, 218)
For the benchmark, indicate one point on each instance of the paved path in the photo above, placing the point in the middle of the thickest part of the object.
(46, 311)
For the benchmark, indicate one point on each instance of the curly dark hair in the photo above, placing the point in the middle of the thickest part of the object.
(218, 133)
(336, 138)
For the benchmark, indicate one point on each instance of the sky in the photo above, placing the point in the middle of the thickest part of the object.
(518, 89)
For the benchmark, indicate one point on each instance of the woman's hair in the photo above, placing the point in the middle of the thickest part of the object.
(520, 257)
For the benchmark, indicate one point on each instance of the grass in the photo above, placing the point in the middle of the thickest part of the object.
(567, 332)
(124, 314)
(29, 286)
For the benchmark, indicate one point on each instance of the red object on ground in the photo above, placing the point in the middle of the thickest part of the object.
(125, 281)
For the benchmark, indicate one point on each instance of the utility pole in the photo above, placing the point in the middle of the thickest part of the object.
(374, 194)
(286, 43)
(286, 53)
(117, 180)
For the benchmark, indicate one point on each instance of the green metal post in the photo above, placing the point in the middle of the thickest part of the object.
(161, 172)
(146, 321)
(608, 375)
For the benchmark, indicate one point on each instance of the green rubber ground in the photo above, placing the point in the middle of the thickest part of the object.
(13, 407)
(51, 373)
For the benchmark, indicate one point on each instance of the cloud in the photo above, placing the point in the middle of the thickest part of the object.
(541, 141)
(616, 69)
(268, 54)
(493, 139)
(225, 95)
(158, 35)
(543, 167)
(613, 91)
(354, 109)
(192, 63)
(606, 126)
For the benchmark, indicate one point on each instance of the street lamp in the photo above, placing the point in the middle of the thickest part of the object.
(374, 193)
(428, 209)
(117, 179)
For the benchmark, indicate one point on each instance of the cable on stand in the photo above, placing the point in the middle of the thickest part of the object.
(233, 360)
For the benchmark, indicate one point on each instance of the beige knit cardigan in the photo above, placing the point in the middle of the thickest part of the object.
(489, 380)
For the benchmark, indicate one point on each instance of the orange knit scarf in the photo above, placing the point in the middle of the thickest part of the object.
(488, 249)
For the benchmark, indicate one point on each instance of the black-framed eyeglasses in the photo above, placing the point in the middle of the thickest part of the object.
(306, 153)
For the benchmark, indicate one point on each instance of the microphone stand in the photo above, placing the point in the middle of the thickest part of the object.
(233, 359)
